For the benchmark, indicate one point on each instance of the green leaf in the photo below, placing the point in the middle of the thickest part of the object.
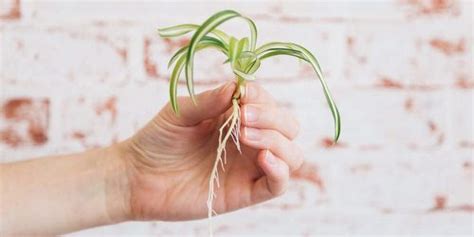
(250, 61)
(178, 68)
(179, 30)
(233, 50)
(242, 54)
(272, 45)
(180, 58)
(242, 46)
(270, 49)
(253, 66)
(205, 42)
(209, 25)
(236, 47)
(177, 55)
(281, 51)
(253, 33)
(332, 105)
(243, 75)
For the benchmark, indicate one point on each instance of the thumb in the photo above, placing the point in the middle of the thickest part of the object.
(209, 104)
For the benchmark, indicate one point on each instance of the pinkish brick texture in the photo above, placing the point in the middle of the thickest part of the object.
(24, 122)
(78, 75)
(10, 10)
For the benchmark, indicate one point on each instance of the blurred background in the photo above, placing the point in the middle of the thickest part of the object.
(82, 74)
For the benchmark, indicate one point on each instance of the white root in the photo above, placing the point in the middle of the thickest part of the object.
(233, 131)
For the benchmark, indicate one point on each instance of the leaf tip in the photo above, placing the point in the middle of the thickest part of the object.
(193, 99)
(336, 136)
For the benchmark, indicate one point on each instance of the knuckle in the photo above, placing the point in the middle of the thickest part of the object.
(283, 184)
(267, 117)
(279, 192)
(279, 188)
(276, 139)
(296, 128)
(289, 122)
(299, 158)
(295, 157)
(270, 100)
(294, 125)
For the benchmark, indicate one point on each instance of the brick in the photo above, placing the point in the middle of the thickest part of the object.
(281, 11)
(24, 121)
(10, 10)
(435, 8)
(145, 11)
(413, 56)
(33, 56)
(107, 116)
(102, 116)
(188, 11)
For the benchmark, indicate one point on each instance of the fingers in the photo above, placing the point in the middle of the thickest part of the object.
(259, 110)
(274, 141)
(255, 94)
(269, 117)
(209, 104)
(276, 179)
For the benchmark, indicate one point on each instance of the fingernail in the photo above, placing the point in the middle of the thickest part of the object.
(252, 134)
(249, 92)
(243, 90)
(269, 158)
(251, 113)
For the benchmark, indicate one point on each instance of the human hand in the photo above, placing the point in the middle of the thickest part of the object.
(169, 161)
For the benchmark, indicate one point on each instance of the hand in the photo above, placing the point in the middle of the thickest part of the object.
(169, 161)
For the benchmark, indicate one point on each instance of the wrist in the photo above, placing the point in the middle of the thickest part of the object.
(117, 184)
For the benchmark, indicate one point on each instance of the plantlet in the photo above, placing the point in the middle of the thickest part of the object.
(244, 58)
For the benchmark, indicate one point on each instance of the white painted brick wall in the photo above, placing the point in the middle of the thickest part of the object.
(400, 71)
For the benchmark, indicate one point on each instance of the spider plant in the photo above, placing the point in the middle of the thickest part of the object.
(244, 58)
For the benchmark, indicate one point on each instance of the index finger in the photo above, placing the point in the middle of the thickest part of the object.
(255, 94)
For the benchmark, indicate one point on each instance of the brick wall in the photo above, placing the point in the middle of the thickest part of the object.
(76, 75)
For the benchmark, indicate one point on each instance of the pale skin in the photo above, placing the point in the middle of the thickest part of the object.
(161, 173)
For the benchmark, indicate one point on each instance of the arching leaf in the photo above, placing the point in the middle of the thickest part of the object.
(209, 25)
(180, 59)
(281, 51)
(205, 42)
(178, 68)
(179, 30)
(317, 68)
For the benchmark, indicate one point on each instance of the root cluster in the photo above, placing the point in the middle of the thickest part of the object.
(230, 129)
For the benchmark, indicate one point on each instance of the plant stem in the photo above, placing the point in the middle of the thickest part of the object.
(240, 90)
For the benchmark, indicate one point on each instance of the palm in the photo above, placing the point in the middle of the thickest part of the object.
(185, 171)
